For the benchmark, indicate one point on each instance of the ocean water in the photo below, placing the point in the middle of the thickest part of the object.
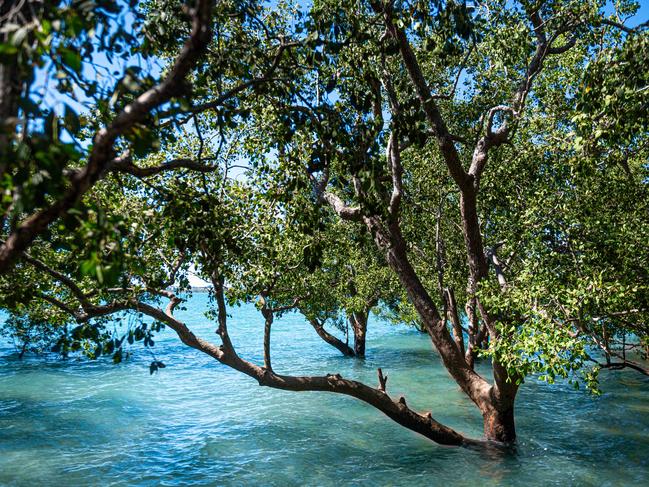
(78, 422)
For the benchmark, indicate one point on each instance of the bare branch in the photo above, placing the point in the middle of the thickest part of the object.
(222, 330)
(59, 304)
(498, 267)
(621, 365)
(267, 313)
(329, 338)
(458, 335)
(62, 278)
(343, 210)
(567, 46)
(293, 305)
(124, 164)
(383, 379)
(431, 110)
(396, 170)
(628, 30)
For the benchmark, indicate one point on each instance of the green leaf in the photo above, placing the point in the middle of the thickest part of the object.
(71, 58)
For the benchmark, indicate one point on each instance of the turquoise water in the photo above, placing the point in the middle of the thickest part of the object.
(199, 423)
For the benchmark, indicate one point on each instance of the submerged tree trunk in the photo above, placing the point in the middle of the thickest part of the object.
(496, 402)
(23, 349)
(358, 321)
(499, 425)
(343, 347)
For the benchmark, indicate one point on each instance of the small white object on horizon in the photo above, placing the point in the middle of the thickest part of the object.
(194, 280)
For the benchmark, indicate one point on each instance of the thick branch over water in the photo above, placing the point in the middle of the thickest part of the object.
(423, 424)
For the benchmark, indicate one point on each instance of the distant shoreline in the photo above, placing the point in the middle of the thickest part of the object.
(201, 289)
(192, 289)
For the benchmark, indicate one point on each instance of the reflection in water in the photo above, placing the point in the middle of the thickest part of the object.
(197, 422)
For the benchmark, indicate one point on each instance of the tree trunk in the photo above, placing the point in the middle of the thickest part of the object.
(458, 334)
(359, 325)
(499, 425)
(12, 84)
(331, 339)
(23, 349)
(392, 243)
(10, 91)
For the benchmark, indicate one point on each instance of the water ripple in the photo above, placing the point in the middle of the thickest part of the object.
(200, 423)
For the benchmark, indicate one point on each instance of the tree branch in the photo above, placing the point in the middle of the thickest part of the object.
(63, 279)
(124, 164)
(431, 111)
(102, 149)
(265, 78)
(498, 267)
(343, 210)
(398, 411)
(396, 170)
(59, 304)
(628, 30)
(267, 313)
(383, 379)
(329, 338)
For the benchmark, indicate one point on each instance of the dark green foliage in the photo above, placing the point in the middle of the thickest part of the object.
(562, 202)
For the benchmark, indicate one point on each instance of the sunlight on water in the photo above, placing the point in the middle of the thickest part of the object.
(199, 423)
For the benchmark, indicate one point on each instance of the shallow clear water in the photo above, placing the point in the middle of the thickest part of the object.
(199, 423)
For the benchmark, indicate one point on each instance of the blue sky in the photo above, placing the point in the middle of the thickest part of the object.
(641, 16)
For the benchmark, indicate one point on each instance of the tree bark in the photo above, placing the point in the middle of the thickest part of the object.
(394, 246)
(495, 402)
(458, 333)
(359, 325)
(10, 91)
(14, 80)
(499, 424)
(488, 398)
(331, 339)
